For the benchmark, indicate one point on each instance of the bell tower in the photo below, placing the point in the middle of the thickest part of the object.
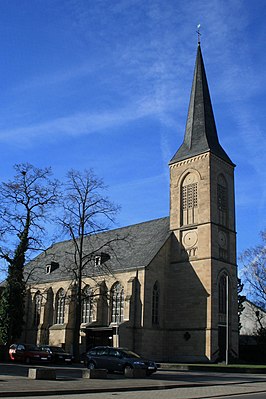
(202, 219)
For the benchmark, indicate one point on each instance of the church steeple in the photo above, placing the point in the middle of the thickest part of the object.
(200, 135)
(202, 222)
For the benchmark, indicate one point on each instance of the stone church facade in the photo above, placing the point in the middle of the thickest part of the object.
(169, 290)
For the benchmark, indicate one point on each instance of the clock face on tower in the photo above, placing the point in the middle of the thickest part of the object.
(222, 239)
(190, 238)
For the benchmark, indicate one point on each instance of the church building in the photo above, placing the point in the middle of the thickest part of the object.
(169, 290)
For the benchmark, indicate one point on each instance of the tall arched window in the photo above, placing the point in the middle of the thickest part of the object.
(222, 200)
(87, 305)
(60, 307)
(155, 303)
(49, 314)
(189, 199)
(117, 303)
(37, 308)
(223, 293)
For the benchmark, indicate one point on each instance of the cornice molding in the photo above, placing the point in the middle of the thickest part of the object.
(189, 160)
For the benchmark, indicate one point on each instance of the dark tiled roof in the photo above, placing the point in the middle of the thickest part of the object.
(129, 247)
(201, 135)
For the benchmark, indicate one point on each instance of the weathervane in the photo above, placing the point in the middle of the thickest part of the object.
(198, 32)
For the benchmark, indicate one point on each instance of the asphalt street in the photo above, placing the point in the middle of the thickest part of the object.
(176, 393)
(165, 384)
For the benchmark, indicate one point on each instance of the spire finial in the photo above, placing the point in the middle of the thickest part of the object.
(198, 32)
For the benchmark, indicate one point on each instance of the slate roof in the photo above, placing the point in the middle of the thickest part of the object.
(200, 135)
(130, 247)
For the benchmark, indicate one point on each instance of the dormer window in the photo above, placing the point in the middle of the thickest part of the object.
(98, 260)
(51, 267)
(101, 258)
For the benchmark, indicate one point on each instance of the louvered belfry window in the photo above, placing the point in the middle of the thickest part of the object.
(190, 196)
(189, 200)
(222, 201)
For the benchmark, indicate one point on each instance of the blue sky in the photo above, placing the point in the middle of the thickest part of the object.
(106, 84)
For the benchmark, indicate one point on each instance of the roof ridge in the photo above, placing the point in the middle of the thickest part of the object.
(135, 224)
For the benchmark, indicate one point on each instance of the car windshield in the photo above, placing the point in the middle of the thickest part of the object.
(56, 349)
(31, 348)
(127, 353)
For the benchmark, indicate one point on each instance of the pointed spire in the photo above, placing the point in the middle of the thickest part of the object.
(200, 135)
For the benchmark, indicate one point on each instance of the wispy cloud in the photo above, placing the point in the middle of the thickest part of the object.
(80, 124)
(55, 78)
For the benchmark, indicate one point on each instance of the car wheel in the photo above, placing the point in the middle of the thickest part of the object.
(27, 360)
(127, 367)
(91, 366)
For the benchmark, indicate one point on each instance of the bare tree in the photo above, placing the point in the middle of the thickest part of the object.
(25, 202)
(86, 212)
(240, 300)
(261, 331)
(254, 271)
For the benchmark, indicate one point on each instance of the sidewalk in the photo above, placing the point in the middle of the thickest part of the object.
(219, 368)
(19, 386)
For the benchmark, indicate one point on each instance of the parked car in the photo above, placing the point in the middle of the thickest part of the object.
(58, 354)
(118, 359)
(28, 353)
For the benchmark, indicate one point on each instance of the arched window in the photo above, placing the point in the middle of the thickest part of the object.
(60, 307)
(223, 293)
(48, 311)
(155, 303)
(37, 308)
(87, 305)
(189, 199)
(117, 303)
(222, 200)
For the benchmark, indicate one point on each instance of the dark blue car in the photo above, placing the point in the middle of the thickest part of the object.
(118, 359)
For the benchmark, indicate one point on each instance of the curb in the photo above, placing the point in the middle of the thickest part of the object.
(96, 390)
(215, 369)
